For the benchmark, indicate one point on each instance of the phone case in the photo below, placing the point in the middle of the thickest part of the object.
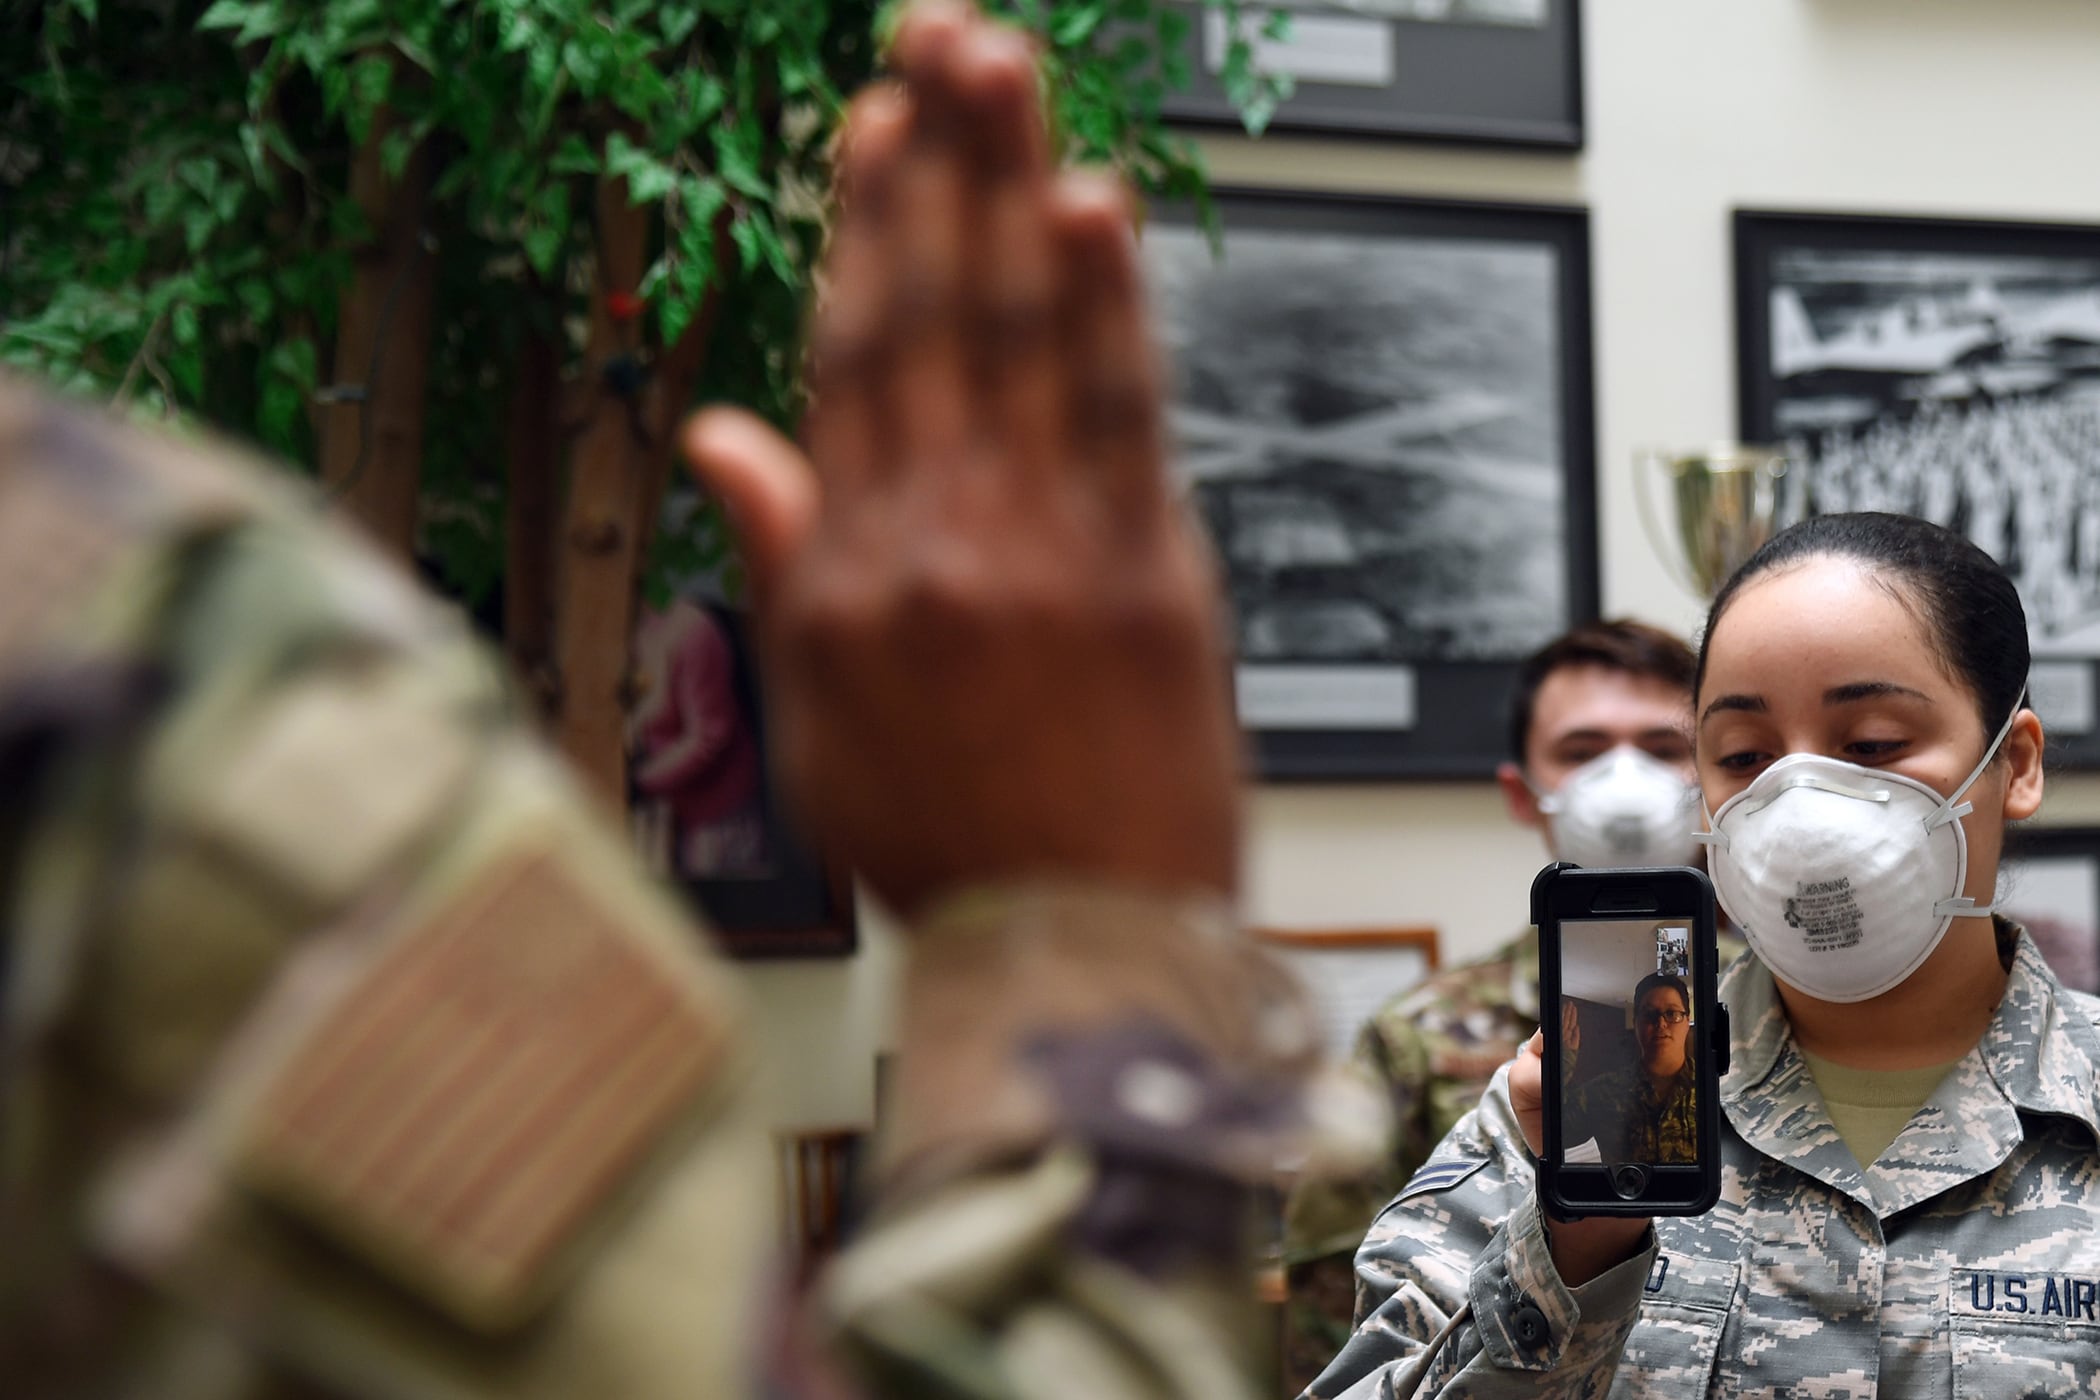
(1568, 1190)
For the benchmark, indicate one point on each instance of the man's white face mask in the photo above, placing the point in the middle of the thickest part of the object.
(1843, 878)
(1623, 808)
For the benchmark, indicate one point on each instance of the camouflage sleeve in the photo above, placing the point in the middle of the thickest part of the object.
(1465, 1299)
(1327, 1215)
(1090, 1084)
(348, 1049)
(466, 1109)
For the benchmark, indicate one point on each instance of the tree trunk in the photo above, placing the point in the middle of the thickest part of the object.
(533, 450)
(672, 392)
(371, 448)
(598, 541)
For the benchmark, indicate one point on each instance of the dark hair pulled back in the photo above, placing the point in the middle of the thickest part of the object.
(1970, 609)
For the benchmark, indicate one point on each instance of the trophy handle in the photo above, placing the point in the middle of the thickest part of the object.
(1645, 461)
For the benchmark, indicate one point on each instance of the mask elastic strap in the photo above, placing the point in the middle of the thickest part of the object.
(1712, 836)
(1954, 809)
(1963, 907)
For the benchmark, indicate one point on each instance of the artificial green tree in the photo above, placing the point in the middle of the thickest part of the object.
(470, 259)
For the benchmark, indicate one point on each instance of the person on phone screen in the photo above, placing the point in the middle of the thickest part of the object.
(1644, 1112)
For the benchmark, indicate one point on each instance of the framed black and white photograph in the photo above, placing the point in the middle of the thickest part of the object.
(1382, 410)
(1505, 72)
(1948, 369)
(2049, 881)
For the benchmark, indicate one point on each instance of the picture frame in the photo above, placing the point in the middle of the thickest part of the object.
(1350, 972)
(704, 808)
(2049, 882)
(1477, 72)
(1948, 368)
(1383, 413)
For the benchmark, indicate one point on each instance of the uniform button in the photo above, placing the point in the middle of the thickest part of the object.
(1528, 1325)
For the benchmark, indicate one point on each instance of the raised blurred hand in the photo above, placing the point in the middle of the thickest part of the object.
(992, 637)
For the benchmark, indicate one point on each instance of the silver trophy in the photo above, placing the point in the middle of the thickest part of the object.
(1726, 502)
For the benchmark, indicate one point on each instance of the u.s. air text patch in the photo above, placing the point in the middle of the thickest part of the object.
(493, 1080)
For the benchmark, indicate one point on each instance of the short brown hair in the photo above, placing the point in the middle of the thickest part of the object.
(1617, 644)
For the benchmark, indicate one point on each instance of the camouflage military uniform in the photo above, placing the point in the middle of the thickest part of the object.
(346, 1052)
(1652, 1127)
(1965, 1262)
(1430, 1052)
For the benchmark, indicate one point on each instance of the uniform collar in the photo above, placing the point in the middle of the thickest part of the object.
(2037, 1056)
(2042, 1048)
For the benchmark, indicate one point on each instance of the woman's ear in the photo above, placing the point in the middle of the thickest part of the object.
(2023, 757)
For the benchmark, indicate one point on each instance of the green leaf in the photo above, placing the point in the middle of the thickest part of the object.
(186, 368)
(277, 414)
(678, 21)
(288, 376)
(256, 297)
(395, 149)
(736, 159)
(516, 30)
(548, 233)
(573, 157)
(745, 236)
(370, 79)
(585, 58)
(163, 198)
(1072, 24)
(1277, 26)
(335, 88)
(542, 244)
(252, 148)
(648, 179)
(197, 228)
(229, 14)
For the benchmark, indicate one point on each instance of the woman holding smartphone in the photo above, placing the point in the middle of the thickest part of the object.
(1910, 1200)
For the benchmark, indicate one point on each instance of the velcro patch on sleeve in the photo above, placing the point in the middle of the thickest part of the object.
(333, 776)
(485, 1091)
(1440, 1176)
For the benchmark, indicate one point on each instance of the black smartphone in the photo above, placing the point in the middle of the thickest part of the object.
(1636, 1043)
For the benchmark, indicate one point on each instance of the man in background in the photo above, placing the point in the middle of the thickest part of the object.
(1600, 766)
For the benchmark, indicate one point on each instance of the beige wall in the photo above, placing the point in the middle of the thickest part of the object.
(1695, 107)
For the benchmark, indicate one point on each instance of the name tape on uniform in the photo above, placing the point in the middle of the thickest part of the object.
(2004, 1293)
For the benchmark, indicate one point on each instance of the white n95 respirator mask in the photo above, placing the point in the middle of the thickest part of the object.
(1621, 809)
(1843, 878)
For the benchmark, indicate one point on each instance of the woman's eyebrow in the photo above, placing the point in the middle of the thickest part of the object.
(1750, 704)
(1871, 690)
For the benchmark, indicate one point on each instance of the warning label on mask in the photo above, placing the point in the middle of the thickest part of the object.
(1826, 913)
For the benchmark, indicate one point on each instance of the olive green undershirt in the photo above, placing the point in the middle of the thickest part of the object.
(1870, 1106)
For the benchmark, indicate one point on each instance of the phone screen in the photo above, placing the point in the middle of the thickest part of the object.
(1628, 1062)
